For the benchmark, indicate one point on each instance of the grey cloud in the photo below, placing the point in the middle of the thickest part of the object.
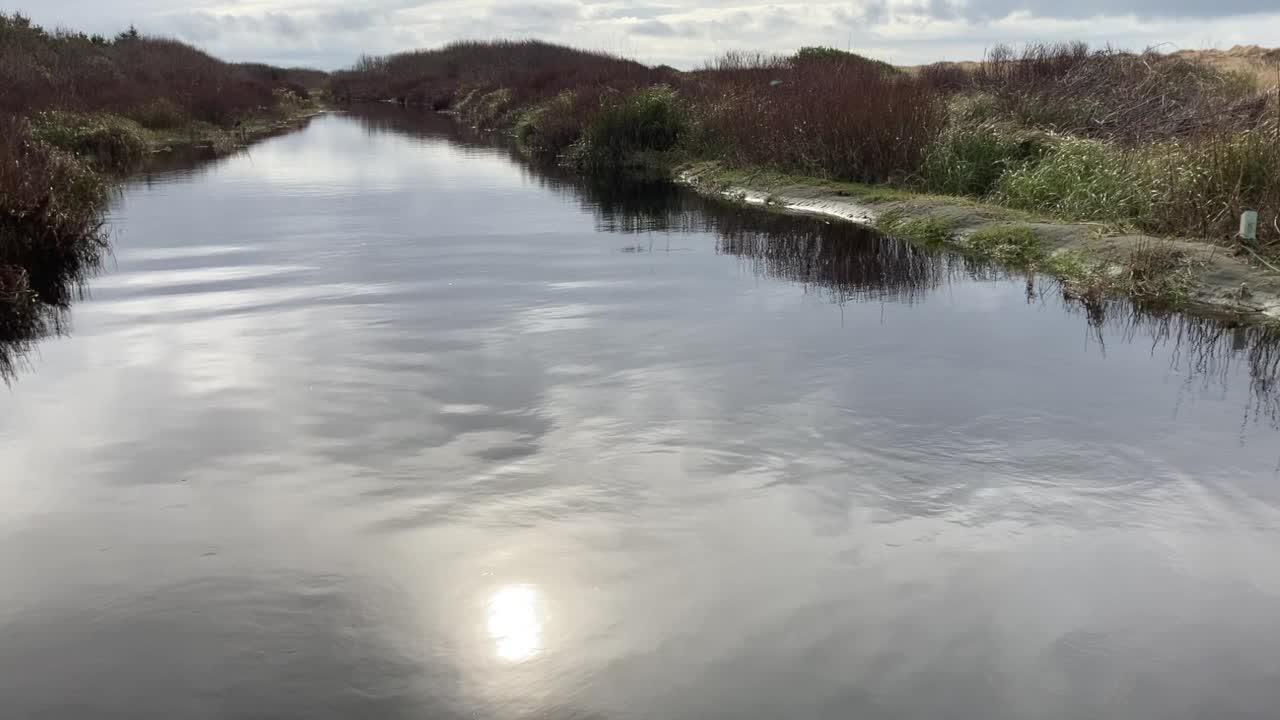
(631, 12)
(982, 10)
(536, 14)
(653, 28)
(280, 24)
(349, 20)
(205, 27)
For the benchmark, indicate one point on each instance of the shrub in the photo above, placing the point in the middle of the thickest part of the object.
(489, 110)
(158, 114)
(534, 72)
(646, 121)
(833, 118)
(42, 71)
(550, 128)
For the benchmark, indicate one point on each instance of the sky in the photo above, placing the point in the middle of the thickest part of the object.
(331, 34)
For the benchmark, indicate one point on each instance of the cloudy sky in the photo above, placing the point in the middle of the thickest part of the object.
(684, 33)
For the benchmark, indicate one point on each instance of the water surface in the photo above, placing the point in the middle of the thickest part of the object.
(377, 421)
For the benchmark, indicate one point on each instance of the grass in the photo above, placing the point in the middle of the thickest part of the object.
(1007, 243)
(924, 230)
(113, 142)
(1154, 274)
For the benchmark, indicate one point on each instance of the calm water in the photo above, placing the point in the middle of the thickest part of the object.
(376, 422)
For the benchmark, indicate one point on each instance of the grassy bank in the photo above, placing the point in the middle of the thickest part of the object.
(1125, 145)
(1091, 263)
(79, 111)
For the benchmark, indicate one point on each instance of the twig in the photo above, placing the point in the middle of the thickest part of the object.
(1258, 257)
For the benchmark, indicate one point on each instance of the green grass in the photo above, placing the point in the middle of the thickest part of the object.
(972, 153)
(115, 143)
(925, 230)
(1008, 243)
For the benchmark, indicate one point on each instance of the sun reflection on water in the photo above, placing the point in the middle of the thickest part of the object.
(515, 622)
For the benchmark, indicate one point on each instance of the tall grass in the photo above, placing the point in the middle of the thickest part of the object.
(1197, 186)
(1116, 95)
(51, 207)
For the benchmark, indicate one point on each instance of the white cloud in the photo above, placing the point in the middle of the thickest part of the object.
(332, 33)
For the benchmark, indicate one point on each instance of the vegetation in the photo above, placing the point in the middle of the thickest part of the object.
(649, 120)
(50, 229)
(75, 111)
(1167, 145)
(1164, 144)
(1007, 243)
(924, 230)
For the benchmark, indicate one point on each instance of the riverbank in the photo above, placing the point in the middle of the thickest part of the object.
(117, 145)
(1091, 263)
(1120, 173)
(53, 198)
(80, 112)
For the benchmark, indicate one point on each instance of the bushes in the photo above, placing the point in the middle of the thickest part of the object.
(647, 121)
(130, 75)
(158, 114)
(489, 110)
(533, 71)
(834, 118)
(549, 129)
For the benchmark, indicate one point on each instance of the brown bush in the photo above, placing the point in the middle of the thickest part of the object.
(40, 70)
(533, 71)
(840, 117)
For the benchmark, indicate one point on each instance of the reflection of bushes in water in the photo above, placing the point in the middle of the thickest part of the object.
(1208, 350)
(853, 261)
(859, 264)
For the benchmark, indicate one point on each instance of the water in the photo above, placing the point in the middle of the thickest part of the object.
(376, 421)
